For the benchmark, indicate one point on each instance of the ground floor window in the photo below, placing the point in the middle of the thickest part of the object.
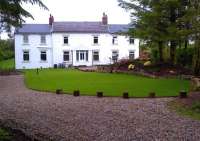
(131, 55)
(81, 55)
(96, 55)
(66, 56)
(115, 55)
(43, 56)
(26, 55)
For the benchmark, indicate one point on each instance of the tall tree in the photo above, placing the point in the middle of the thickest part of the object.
(12, 13)
(150, 18)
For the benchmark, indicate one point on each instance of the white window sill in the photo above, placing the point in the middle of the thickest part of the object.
(25, 44)
(66, 61)
(25, 61)
(115, 44)
(43, 61)
(96, 44)
(66, 45)
(96, 61)
(43, 44)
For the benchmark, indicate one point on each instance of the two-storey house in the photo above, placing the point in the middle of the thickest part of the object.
(73, 43)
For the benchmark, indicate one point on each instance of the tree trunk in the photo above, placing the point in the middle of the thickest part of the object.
(196, 58)
(186, 43)
(160, 49)
(172, 51)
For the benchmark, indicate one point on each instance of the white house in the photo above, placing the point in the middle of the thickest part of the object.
(72, 43)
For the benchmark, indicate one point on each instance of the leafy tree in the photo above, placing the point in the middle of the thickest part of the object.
(12, 13)
(151, 21)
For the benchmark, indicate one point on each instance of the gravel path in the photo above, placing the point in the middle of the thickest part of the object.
(63, 117)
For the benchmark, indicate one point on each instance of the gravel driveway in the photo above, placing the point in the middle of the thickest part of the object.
(53, 117)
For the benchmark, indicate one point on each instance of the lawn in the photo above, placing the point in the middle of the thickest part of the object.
(111, 84)
(7, 64)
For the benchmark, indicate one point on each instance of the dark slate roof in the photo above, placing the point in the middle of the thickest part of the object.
(34, 29)
(72, 27)
(118, 28)
(79, 27)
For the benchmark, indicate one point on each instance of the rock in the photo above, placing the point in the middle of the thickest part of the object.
(195, 84)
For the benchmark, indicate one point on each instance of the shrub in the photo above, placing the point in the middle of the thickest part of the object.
(184, 56)
(4, 135)
(196, 107)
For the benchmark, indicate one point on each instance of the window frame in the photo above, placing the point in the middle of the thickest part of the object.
(26, 52)
(43, 52)
(131, 52)
(117, 55)
(25, 39)
(67, 38)
(67, 53)
(95, 39)
(93, 56)
(131, 41)
(115, 40)
(43, 38)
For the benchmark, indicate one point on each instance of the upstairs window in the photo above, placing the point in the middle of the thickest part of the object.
(26, 56)
(66, 56)
(65, 40)
(96, 40)
(43, 39)
(114, 40)
(131, 55)
(131, 40)
(96, 55)
(43, 56)
(25, 39)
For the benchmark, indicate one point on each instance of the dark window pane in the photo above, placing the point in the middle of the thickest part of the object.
(66, 56)
(43, 39)
(95, 40)
(86, 55)
(66, 40)
(43, 56)
(115, 55)
(131, 55)
(96, 56)
(26, 56)
(131, 40)
(77, 55)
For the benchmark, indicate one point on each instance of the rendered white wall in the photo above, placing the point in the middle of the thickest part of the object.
(34, 48)
(55, 48)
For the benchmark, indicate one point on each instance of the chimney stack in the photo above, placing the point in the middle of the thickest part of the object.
(105, 19)
(51, 19)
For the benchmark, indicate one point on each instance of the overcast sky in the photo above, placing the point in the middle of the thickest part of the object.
(79, 10)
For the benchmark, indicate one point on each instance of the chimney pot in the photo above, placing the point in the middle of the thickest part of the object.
(51, 19)
(105, 19)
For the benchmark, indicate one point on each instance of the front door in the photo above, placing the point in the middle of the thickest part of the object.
(81, 55)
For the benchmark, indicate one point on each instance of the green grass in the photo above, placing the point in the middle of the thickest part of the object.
(111, 84)
(192, 111)
(7, 64)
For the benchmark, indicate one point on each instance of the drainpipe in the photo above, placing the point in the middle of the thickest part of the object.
(72, 58)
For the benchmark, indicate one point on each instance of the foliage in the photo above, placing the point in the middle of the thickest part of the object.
(184, 56)
(6, 49)
(110, 84)
(4, 135)
(192, 111)
(13, 14)
(7, 64)
(164, 22)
